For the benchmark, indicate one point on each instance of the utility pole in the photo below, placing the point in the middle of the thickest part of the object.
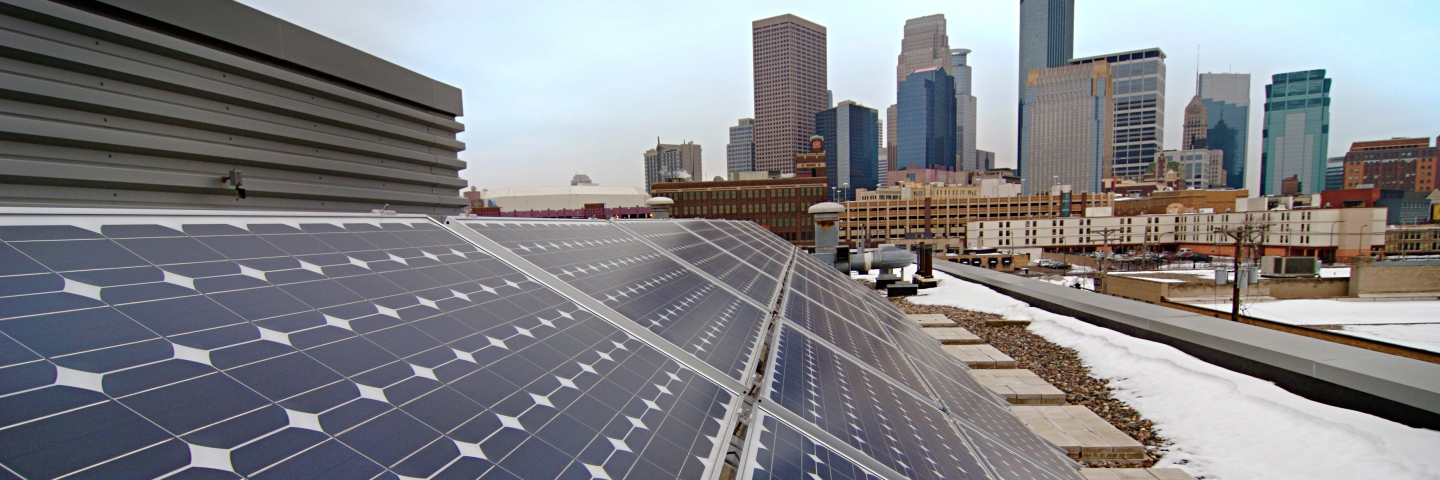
(1245, 235)
(1104, 257)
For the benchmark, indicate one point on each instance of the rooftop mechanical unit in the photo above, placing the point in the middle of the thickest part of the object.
(1289, 266)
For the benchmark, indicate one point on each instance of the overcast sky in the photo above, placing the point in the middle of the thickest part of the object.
(557, 88)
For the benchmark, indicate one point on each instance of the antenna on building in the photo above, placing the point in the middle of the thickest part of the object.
(1197, 70)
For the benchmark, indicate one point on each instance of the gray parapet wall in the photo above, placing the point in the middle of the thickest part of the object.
(1396, 388)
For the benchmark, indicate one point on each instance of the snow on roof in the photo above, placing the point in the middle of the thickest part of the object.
(1223, 424)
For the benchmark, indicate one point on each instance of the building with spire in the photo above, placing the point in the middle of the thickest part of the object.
(1195, 124)
(790, 88)
(672, 162)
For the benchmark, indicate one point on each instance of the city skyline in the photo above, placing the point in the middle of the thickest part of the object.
(530, 124)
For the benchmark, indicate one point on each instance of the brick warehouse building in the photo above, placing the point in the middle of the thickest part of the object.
(780, 205)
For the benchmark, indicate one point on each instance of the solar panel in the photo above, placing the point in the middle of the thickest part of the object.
(744, 249)
(737, 273)
(868, 412)
(779, 451)
(149, 344)
(615, 268)
(305, 346)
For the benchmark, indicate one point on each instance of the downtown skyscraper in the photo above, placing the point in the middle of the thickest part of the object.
(925, 140)
(790, 75)
(740, 152)
(965, 111)
(852, 149)
(1227, 121)
(927, 121)
(1066, 137)
(1138, 126)
(1047, 39)
(1297, 131)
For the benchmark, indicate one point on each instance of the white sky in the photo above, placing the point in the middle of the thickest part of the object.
(557, 88)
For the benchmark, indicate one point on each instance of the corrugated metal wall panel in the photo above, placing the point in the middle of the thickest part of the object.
(95, 111)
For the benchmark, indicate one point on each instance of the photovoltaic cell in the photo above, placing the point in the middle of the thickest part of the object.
(781, 452)
(625, 274)
(736, 273)
(707, 229)
(866, 411)
(299, 347)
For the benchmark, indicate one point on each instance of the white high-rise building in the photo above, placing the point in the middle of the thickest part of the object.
(740, 152)
(1139, 101)
(965, 113)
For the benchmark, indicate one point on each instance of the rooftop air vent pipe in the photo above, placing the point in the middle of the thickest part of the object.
(660, 206)
(829, 250)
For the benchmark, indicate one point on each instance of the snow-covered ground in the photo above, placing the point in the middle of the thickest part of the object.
(1225, 425)
(1412, 324)
(1337, 312)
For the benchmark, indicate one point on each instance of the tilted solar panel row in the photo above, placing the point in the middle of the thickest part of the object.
(300, 346)
(232, 346)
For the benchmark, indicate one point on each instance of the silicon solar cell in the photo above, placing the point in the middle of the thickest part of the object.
(625, 274)
(765, 262)
(871, 414)
(782, 452)
(738, 274)
(291, 347)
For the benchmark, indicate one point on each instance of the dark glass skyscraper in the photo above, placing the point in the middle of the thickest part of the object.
(1297, 131)
(1227, 117)
(927, 120)
(852, 154)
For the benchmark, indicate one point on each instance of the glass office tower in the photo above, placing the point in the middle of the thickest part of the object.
(1297, 131)
(1227, 117)
(927, 121)
(852, 154)
(740, 152)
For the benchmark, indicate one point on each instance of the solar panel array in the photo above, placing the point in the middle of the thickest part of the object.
(149, 344)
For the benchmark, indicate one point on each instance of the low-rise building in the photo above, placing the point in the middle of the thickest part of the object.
(1405, 207)
(1199, 168)
(1332, 234)
(573, 201)
(1412, 240)
(778, 204)
(885, 220)
(1180, 201)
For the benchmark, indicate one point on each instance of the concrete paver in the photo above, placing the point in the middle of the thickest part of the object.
(930, 320)
(1019, 386)
(1003, 322)
(980, 356)
(1081, 433)
(953, 336)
